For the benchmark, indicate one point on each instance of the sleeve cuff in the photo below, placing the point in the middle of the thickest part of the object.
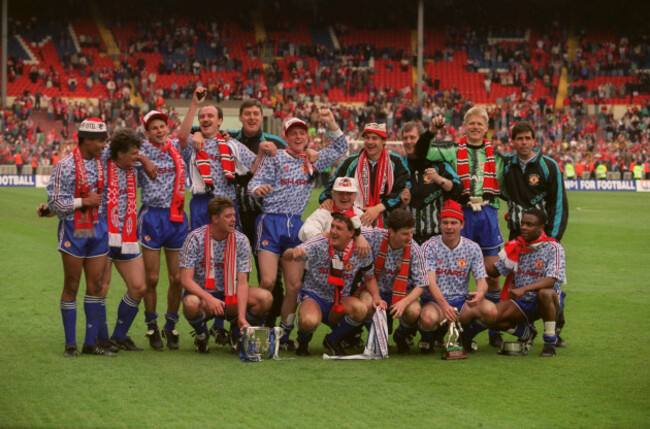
(78, 203)
(336, 133)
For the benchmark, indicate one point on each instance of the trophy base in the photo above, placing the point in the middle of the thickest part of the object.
(454, 353)
(512, 348)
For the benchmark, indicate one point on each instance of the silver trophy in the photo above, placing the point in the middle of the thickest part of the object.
(453, 348)
(260, 343)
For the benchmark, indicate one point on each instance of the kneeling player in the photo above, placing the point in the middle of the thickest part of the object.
(399, 263)
(215, 262)
(325, 293)
(449, 259)
(539, 266)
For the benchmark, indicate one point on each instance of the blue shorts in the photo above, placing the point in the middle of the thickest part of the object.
(530, 309)
(155, 230)
(115, 254)
(199, 211)
(89, 247)
(325, 306)
(483, 228)
(220, 295)
(458, 302)
(276, 233)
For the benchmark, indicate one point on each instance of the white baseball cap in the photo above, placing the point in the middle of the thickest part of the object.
(345, 184)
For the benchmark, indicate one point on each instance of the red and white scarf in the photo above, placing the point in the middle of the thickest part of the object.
(178, 199)
(128, 239)
(85, 218)
(510, 256)
(229, 264)
(309, 168)
(227, 163)
(349, 212)
(490, 182)
(383, 178)
(335, 276)
(401, 281)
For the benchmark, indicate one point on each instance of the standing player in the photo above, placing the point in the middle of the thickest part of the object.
(381, 176)
(325, 293)
(449, 259)
(535, 180)
(120, 203)
(162, 223)
(74, 194)
(432, 182)
(215, 262)
(285, 182)
(215, 167)
(400, 273)
(538, 264)
(480, 171)
(252, 136)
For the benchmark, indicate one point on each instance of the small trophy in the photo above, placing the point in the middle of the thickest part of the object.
(453, 349)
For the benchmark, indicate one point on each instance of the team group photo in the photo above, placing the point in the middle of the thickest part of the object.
(304, 212)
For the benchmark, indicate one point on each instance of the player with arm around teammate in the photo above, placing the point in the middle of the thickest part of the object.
(214, 264)
(450, 258)
(162, 223)
(285, 183)
(538, 262)
(325, 293)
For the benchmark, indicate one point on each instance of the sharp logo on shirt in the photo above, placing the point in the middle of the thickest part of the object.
(539, 264)
(529, 273)
(533, 179)
(293, 181)
(462, 263)
(440, 271)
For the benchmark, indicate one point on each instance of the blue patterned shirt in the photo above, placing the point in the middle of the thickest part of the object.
(244, 159)
(547, 261)
(318, 269)
(417, 271)
(452, 266)
(291, 183)
(193, 256)
(61, 188)
(159, 192)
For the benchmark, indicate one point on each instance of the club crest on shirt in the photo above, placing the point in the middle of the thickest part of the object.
(533, 179)
(440, 262)
(539, 264)
(462, 263)
(286, 168)
(349, 266)
(304, 169)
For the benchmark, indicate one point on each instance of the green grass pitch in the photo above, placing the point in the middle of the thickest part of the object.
(602, 379)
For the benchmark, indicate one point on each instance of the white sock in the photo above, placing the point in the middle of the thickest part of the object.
(549, 328)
